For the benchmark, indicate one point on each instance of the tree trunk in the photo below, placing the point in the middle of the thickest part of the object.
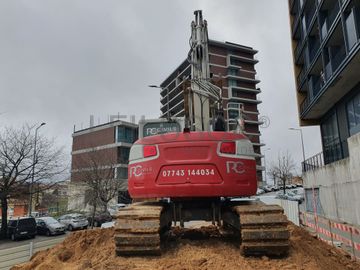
(4, 209)
(284, 186)
(93, 216)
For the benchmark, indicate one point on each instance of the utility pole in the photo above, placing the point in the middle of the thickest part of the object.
(33, 168)
(302, 145)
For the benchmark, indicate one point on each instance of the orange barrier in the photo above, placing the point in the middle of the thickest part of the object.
(305, 218)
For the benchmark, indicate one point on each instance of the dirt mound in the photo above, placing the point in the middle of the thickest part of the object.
(95, 249)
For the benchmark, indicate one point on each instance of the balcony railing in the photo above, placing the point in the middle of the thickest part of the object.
(331, 153)
(313, 162)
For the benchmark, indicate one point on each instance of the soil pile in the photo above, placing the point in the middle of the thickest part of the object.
(95, 249)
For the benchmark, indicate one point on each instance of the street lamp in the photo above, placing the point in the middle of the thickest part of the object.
(265, 163)
(302, 144)
(167, 99)
(33, 167)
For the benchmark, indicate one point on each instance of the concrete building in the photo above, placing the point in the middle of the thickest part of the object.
(232, 66)
(325, 39)
(108, 145)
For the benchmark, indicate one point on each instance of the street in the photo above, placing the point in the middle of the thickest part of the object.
(7, 243)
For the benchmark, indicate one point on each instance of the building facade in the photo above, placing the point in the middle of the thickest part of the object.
(232, 66)
(325, 39)
(326, 43)
(105, 146)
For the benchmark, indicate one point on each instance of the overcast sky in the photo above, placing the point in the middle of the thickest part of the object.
(61, 61)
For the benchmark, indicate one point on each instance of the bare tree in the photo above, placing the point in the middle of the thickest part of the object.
(97, 170)
(21, 166)
(283, 168)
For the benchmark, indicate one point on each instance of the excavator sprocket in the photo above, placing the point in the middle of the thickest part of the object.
(137, 229)
(263, 229)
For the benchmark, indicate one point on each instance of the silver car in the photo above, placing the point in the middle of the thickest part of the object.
(74, 221)
(49, 226)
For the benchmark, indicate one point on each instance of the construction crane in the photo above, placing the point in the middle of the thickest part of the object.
(198, 174)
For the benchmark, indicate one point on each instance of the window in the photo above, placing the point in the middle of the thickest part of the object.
(126, 134)
(121, 173)
(353, 114)
(233, 72)
(233, 114)
(232, 82)
(331, 141)
(123, 154)
(350, 29)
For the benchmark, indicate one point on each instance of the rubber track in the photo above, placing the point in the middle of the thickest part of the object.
(263, 230)
(137, 229)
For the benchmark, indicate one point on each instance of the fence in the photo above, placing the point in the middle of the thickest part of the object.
(12, 256)
(291, 208)
(335, 233)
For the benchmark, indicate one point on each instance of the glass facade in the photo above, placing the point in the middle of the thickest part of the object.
(126, 134)
(325, 32)
(331, 139)
(350, 29)
(353, 115)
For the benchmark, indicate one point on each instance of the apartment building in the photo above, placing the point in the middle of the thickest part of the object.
(326, 42)
(325, 37)
(232, 66)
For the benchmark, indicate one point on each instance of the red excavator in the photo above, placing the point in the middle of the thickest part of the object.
(202, 173)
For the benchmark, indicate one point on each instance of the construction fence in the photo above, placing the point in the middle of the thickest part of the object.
(291, 208)
(20, 254)
(333, 232)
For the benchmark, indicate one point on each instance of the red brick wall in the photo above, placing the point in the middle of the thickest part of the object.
(101, 157)
(92, 139)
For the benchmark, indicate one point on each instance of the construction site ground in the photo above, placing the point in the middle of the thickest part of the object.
(189, 248)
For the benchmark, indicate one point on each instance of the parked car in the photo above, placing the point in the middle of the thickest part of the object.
(49, 226)
(290, 195)
(24, 227)
(259, 191)
(113, 209)
(74, 221)
(108, 225)
(99, 219)
(276, 188)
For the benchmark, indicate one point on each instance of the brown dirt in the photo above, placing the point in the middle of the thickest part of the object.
(94, 249)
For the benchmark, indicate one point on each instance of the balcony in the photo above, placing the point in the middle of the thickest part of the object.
(235, 60)
(341, 75)
(244, 89)
(242, 78)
